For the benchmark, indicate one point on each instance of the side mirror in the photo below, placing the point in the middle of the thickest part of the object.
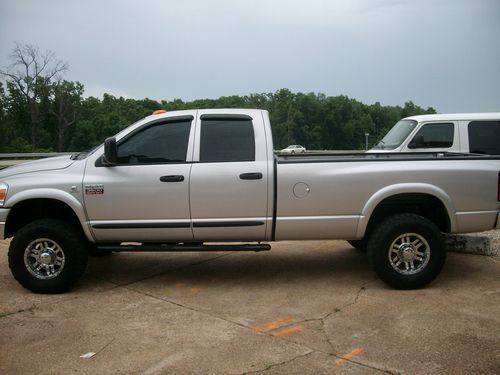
(110, 152)
(417, 142)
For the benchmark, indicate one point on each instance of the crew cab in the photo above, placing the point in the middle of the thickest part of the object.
(183, 180)
(477, 133)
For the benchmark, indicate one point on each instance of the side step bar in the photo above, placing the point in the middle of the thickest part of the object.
(185, 247)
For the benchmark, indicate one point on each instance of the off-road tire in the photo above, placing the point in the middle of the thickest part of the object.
(44, 233)
(399, 238)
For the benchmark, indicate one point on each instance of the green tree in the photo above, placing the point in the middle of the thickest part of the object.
(3, 116)
(66, 98)
(30, 75)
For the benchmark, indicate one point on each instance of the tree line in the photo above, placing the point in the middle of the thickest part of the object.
(40, 111)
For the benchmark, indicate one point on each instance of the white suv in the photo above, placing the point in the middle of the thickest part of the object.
(477, 133)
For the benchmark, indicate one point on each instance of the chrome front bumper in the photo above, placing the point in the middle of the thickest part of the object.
(3, 218)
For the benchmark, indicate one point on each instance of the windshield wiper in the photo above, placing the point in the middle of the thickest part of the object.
(83, 154)
(379, 146)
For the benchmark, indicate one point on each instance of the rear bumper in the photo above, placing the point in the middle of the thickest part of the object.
(3, 219)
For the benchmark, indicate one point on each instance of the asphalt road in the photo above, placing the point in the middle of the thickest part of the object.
(302, 308)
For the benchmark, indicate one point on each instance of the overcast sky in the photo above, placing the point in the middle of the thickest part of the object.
(441, 53)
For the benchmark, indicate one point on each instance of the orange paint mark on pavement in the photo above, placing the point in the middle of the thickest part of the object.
(195, 290)
(288, 331)
(271, 325)
(348, 356)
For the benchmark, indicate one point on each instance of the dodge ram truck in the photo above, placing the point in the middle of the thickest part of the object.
(191, 180)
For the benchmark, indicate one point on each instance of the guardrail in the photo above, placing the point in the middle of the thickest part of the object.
(12, 158)
(32, 155)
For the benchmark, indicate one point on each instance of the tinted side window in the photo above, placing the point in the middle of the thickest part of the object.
(433, 136)
(227, 140)
(484, 137)
(159, 143)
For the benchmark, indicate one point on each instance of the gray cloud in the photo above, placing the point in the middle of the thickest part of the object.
(439, 53)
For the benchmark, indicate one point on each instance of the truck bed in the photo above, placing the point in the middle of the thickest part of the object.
(365, 157)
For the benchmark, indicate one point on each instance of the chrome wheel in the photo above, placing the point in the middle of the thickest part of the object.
(44, 258)
(409, 254)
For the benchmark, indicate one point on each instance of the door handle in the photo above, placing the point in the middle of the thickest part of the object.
(251, 176)
(173, 178)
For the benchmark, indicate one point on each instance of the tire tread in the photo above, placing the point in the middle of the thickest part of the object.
(68, 237)
(383, 235)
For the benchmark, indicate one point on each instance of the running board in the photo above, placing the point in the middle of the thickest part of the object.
(185, 247)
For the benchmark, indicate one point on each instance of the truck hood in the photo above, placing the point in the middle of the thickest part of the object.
(58, 162)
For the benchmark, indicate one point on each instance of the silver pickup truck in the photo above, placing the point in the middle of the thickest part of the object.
(179, 181)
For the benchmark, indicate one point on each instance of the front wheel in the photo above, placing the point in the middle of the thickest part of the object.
(407, 251)
(47, 256)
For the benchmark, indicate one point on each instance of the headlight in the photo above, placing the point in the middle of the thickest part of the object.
(3, 193)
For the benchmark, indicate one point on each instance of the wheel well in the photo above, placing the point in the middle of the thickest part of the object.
(32, 209)
(425, 205)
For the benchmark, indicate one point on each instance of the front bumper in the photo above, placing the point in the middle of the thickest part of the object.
(3, 219)
(498, 221)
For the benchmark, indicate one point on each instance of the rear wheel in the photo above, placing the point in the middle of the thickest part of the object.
(47, 256)
(407, 251)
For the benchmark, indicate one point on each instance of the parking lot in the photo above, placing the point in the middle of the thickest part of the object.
(302, 308)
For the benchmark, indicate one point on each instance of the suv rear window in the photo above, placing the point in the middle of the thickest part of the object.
(484, 137)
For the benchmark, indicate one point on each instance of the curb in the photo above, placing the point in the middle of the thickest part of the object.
(485, 243)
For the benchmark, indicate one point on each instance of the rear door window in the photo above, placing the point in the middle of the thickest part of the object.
(227, 140)
(484, 137)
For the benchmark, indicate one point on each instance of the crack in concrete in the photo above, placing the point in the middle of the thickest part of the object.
(279, 364)
(29, 309)
(321, 320)
(105, 346)
(190, 308)
(41, 304)
(311, 350)
(178, 304)
(361, 289)
(347, 360)
(336, 310)
(116, 285)
(170, 270)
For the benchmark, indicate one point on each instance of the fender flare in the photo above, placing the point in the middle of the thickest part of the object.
(405, 188)
(58, 195)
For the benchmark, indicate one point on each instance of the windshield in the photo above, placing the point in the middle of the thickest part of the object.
(396, 135)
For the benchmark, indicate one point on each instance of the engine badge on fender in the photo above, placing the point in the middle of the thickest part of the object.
(95, 189)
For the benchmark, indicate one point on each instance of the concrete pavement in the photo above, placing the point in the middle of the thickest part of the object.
(310, 307)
